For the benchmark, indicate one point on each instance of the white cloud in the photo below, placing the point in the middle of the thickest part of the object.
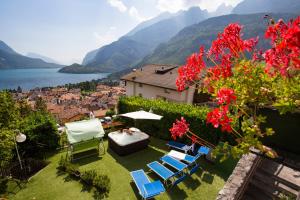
(176, 5)
(107, 37)
(118, 4)
(133, 12)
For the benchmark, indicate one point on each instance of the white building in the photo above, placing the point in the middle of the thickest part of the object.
(156, 81)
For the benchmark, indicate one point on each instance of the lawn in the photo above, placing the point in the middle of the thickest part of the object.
(48, 184)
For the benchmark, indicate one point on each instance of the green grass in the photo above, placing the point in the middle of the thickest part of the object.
(48, 184)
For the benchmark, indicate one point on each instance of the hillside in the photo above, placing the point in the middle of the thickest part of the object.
(6, 48)
(189, 39)
(44, 58)
(274, 6)
(129, 50)
(10, 59)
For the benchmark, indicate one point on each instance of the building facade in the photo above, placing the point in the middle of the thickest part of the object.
(156, 81)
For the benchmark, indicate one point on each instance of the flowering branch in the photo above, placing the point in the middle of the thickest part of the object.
(240, 86)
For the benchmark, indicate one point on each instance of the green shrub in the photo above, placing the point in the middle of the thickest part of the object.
(88, 176)
(102, 183)
(65, 166)
(41, 131)
(110, 112)
(195, 116)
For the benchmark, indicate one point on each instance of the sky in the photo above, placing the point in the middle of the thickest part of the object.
(65, 30)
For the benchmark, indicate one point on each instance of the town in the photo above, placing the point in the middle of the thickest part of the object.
(68, 105)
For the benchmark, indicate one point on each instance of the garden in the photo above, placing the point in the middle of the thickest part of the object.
(242, 81)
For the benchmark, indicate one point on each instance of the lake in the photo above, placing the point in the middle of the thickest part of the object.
(32, 78)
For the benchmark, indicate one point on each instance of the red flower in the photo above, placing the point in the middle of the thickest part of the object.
(191, 70)
(180, 127)
(230, 40)
(283, 57)
(219, 117)
(225, 96)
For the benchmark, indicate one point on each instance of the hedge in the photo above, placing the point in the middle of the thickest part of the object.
(286, 129)
(195, 116)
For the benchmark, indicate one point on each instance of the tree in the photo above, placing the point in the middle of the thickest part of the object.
(41, 131)
(24, 108)
(19, 89)
(9, 120)
(9, 114)
(241, 85)
(6, 146)
(40, 105)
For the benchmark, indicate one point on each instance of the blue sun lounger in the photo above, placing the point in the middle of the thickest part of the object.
(173, 162)
(166, 174)
(176, 164)
(180, 146)
(183, 157)
(146, 188)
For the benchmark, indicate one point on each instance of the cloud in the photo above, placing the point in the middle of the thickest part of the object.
(118, 4)
(176, 5)
(106, 38)
(133, 12)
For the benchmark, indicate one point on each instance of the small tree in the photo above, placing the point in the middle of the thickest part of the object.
(242, 80)
(40, 105)
(41, 131)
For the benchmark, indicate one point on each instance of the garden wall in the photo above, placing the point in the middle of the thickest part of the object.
(195, 116)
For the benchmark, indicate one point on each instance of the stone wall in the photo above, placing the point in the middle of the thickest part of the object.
(238, 180)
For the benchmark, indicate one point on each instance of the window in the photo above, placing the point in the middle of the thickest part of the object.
(140, 85)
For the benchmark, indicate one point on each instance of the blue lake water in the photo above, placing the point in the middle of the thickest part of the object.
(32, 78)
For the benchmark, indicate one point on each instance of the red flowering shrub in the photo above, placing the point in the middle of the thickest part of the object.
(283, 57)
(226, 96)
(240, 86)
(180, 127)
(191, 71)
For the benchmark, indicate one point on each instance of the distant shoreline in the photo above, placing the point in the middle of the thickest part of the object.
(42, 77)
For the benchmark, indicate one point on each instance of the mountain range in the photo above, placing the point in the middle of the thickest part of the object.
(272, 6)
(169, 38)
(44, 58)
(188, 40)
(131, 48)
(10, 59)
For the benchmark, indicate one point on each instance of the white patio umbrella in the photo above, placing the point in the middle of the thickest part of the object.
(141, 115)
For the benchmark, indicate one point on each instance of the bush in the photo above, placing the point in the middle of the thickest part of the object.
(102, 183)
(65, 166)
(88, 176)
(41, 131)
(110, 112)
(195, 116)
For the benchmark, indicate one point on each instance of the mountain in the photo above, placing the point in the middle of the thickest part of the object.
(89, 57)
(44, 58)
(162, 16)
(223, 9)
(10, 59)
(112, 57)
(188, 40)
(128, 50)
(165, 15)
(274, 6)
(6, 48)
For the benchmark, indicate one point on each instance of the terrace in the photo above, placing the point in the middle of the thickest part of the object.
(48, 184)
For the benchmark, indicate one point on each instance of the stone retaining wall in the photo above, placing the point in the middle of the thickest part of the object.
(238, 180)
